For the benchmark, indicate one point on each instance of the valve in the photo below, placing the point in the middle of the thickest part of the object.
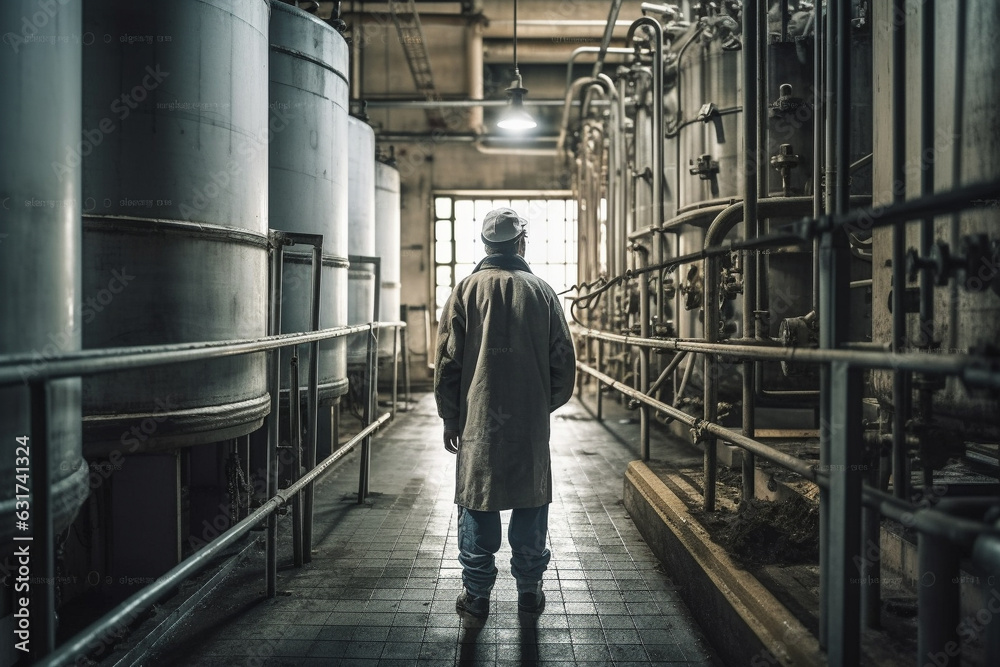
(693, 288)
(798, 332)
(784, 161)
(705, 168)
(977, 252)
(915, 264)
(786, 103)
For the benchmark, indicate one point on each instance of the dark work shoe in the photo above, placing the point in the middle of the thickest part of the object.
(473, 605)
(531, 602)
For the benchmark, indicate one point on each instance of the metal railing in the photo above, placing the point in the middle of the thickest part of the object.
(37, 375)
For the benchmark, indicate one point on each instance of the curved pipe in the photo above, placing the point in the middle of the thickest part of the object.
(657, 129)
(587, 96)
(724, 223)
(571, 93)
(590, 49)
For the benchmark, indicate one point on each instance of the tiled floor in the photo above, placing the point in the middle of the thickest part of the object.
(382, 584)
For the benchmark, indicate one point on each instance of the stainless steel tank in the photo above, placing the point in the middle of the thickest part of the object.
(361, 231)
(175, 145)
(709, 125)
(308, 179)
(387, 243)
(967, 310)
(40, 314)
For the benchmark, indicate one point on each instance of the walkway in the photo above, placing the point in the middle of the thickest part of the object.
(382, 584)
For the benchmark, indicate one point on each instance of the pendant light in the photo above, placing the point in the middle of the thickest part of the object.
(514, 117)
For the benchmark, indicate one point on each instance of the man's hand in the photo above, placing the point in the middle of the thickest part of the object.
(452, 441)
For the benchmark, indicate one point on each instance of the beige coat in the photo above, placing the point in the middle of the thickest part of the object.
(505, 360)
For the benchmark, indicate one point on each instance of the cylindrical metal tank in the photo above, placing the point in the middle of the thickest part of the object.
(308, 179)
(40, 314)
(361, 232)
(387, 242)
(967, 310)
(175, 144)
(710, 137)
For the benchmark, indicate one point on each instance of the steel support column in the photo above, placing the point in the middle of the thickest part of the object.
(313, 398)
(41, 543)
(271, 551)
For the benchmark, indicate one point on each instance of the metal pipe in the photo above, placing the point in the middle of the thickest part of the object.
(643, 358)
(656, 208)
(752, 138)
(571, 93)
(483, 149)
(960, 365)
(42, 540)
(294, 412)
(474, 73)
(967, 534)
(674, 363)
(819, 108)
(278, 243)
(701, 426)
(395, 370)
(841, 541)
(766, 208)
(313, 397)
(15, 369)
(600, 366)
(925, 394)
(609, 29)
(901, 392)
(129, 610)
(371, 381)
(596, 86)
(590, 49)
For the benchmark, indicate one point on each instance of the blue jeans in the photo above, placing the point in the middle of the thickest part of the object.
(479, 538)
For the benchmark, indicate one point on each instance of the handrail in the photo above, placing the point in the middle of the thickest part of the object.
(928, 520)
(106, 360)
(981, 374)
(127, 612)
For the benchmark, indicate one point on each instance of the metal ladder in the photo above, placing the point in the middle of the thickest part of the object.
(411, 37)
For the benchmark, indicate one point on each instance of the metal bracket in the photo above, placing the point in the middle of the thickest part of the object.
(710, 113)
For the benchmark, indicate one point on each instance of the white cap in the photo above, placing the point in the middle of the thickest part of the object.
(502, 225)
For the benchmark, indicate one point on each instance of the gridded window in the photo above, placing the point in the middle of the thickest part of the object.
(551, 250)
